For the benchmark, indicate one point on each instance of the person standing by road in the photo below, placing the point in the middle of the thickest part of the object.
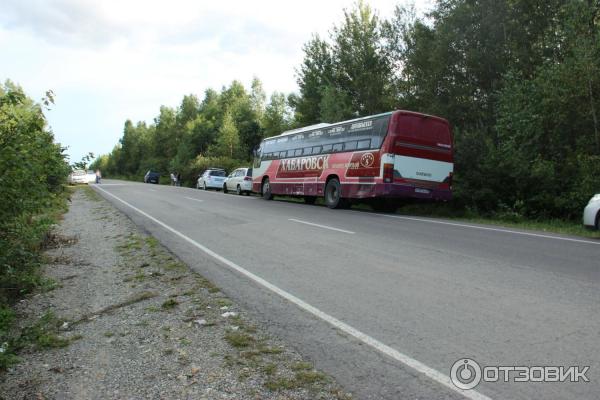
(173, 179)
(98, 176)
(178, 177)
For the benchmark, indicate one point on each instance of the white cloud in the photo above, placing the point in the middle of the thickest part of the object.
(112, 60)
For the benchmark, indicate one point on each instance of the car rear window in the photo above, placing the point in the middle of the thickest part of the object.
(217, 173)
(249, 172)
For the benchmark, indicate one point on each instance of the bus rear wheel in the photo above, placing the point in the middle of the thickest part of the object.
(333, 194)
(266, 190)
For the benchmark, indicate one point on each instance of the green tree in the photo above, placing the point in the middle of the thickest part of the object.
(277, 116)
(362, 72)
(228, 141)
(313, 76)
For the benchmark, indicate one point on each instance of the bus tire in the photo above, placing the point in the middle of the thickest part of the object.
(310, 199)
(333, 194)
(266, 189)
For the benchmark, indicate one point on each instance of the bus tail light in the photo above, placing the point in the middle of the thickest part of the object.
(388, 173)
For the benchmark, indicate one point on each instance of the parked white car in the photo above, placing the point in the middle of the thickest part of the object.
(91, 176)
(591, 213)
(212, 178)
(78, 176)
(239, 181)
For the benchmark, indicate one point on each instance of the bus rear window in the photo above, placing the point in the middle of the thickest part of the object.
(425, 130)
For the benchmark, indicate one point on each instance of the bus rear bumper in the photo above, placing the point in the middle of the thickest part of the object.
(397, 191)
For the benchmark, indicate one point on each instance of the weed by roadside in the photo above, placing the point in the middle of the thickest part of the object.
(22, 241)
(501, 218)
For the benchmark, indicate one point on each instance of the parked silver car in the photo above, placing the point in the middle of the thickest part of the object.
(212, 178)
(591, 213)
(77, 176)
(239, 181)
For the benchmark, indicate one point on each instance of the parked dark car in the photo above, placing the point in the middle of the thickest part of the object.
(151, 177)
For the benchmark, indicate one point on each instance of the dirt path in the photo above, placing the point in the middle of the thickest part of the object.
(126, 320)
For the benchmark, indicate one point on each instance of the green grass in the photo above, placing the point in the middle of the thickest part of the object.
(301, 366)
(304, 379)
(151, 242)
(23, 240)
(133, 242)
(269, 369)
(169, 304)
(270, 350)
(90, 193)
(508, 220)
(43, 334)
(239, 339)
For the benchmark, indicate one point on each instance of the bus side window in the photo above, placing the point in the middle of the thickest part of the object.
(350, 145)
(316, 149)
(337, 147)
(298, 152)
(282, 154)
(364, 144)
(327, 148)
(307, 151)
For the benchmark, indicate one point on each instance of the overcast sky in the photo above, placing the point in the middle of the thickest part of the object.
(108, 61)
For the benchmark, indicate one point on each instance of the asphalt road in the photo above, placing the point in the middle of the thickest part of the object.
(384, 303)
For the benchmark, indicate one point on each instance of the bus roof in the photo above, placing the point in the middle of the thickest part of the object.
(324, 124)
(304, 128)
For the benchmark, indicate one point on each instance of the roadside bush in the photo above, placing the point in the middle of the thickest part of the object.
(33, 171)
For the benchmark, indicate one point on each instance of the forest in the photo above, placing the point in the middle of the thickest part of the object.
(518, 80)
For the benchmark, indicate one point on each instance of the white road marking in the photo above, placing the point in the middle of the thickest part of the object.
(431, 221)
(191, 198)
(431, 373)
(152, 190)
(109, 184)
(321, 226)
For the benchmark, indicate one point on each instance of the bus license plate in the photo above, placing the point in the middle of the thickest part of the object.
(425, 191)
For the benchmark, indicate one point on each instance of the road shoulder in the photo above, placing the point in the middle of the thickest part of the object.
(127, 319)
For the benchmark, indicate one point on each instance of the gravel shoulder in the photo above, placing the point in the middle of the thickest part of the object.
(125, 319)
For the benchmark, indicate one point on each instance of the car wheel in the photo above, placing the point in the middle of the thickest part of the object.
(266, 190)
(204, 186)
(238, 190)
(598, 220)
(197, 186)
(224, 188)
(333, 194)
